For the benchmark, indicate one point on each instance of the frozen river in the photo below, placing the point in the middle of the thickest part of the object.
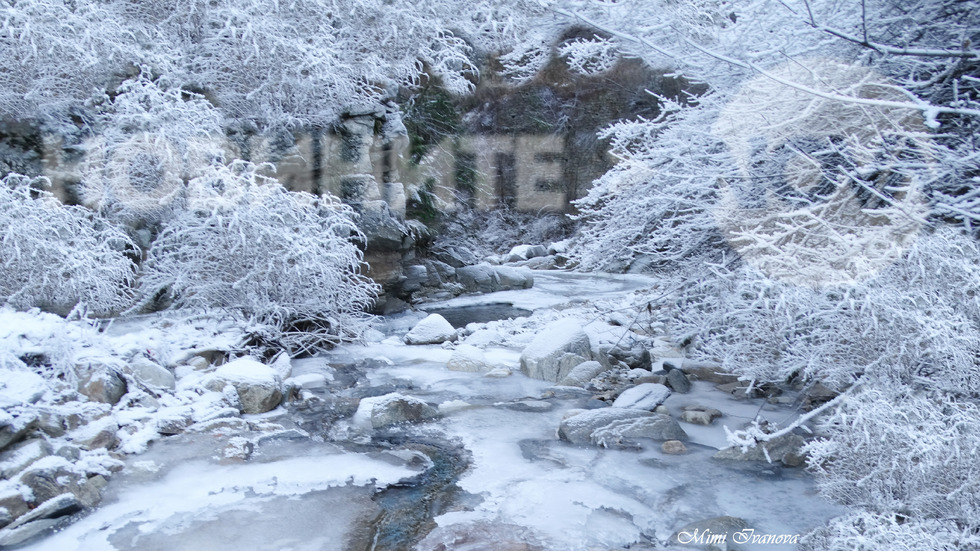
(487, 473)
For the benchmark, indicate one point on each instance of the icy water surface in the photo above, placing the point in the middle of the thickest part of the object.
(489, 473)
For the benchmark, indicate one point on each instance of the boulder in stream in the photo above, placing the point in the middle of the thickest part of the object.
(383, 411)
(433, 329)
(614, 427)
(556, 350)
(258, 385)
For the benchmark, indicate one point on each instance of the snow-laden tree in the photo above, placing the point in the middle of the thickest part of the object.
(263, 63)
(796, 211)
(246, 245)
(57, 257)
(153, 138)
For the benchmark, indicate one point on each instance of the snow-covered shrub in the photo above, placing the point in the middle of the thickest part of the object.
(915, 323)
(656, 202)
(864, 531)
(152, 138)
(497, 231)
(907, 455)
(247, 245)
(58, 257)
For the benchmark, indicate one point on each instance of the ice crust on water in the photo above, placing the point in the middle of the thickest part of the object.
(572, 497)
(204, 490)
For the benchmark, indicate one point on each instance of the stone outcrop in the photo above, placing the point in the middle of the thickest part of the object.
(258, 385)
(613, 427)
(556, 350)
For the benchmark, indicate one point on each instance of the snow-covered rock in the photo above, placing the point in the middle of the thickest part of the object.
(581, 374)
(556, 350)
(20, 456)
(609, 427)
(283, 366)
(483, 337)
(13, 429)
(382, 411)
(258, 385)
(524, 252)
(19, 387)
(498, 373)
(151, 373)
(13, 500)
(646, 397)
(559, 247)
(786, 449)
(434, 329)
(100, 433)
(509, 278)
(468, 358)
(99, 383)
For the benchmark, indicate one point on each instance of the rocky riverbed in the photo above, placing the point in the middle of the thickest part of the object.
(576, 426)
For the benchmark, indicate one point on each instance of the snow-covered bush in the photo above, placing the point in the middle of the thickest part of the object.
(246, 245)
(58, 257)
(905, 456)
(151, 138)
(796, 212)
(497, 231)
(915, 323)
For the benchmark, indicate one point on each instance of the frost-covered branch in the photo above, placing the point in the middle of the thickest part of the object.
(57, 257)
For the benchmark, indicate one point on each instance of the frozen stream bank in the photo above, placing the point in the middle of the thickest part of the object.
(482, 466)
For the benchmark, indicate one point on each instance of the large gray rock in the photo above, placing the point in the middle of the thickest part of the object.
(583, 373)
(382, 231)
(786, 449)
(48, 479)
(14, 429)
(609, 427)
(383, 411)
(10, 537)
(433, 329)
(525, 252)
(484, 278)
(151, 373)
(20, 456)
(439, 273)
(99, 383)
(556, 350)
(470, 359)
(415, 277)
(457, 257)
(58, 506)
(97, 434)
(645, 397)
(481, 278)
(13, 502)
(678, 381)
(509, 278)
(258, 385)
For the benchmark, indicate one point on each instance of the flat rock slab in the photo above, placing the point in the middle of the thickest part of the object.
(610, 427)
(646, 397)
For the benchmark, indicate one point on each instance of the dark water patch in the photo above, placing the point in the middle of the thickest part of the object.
(479, 313)
(408, 508)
